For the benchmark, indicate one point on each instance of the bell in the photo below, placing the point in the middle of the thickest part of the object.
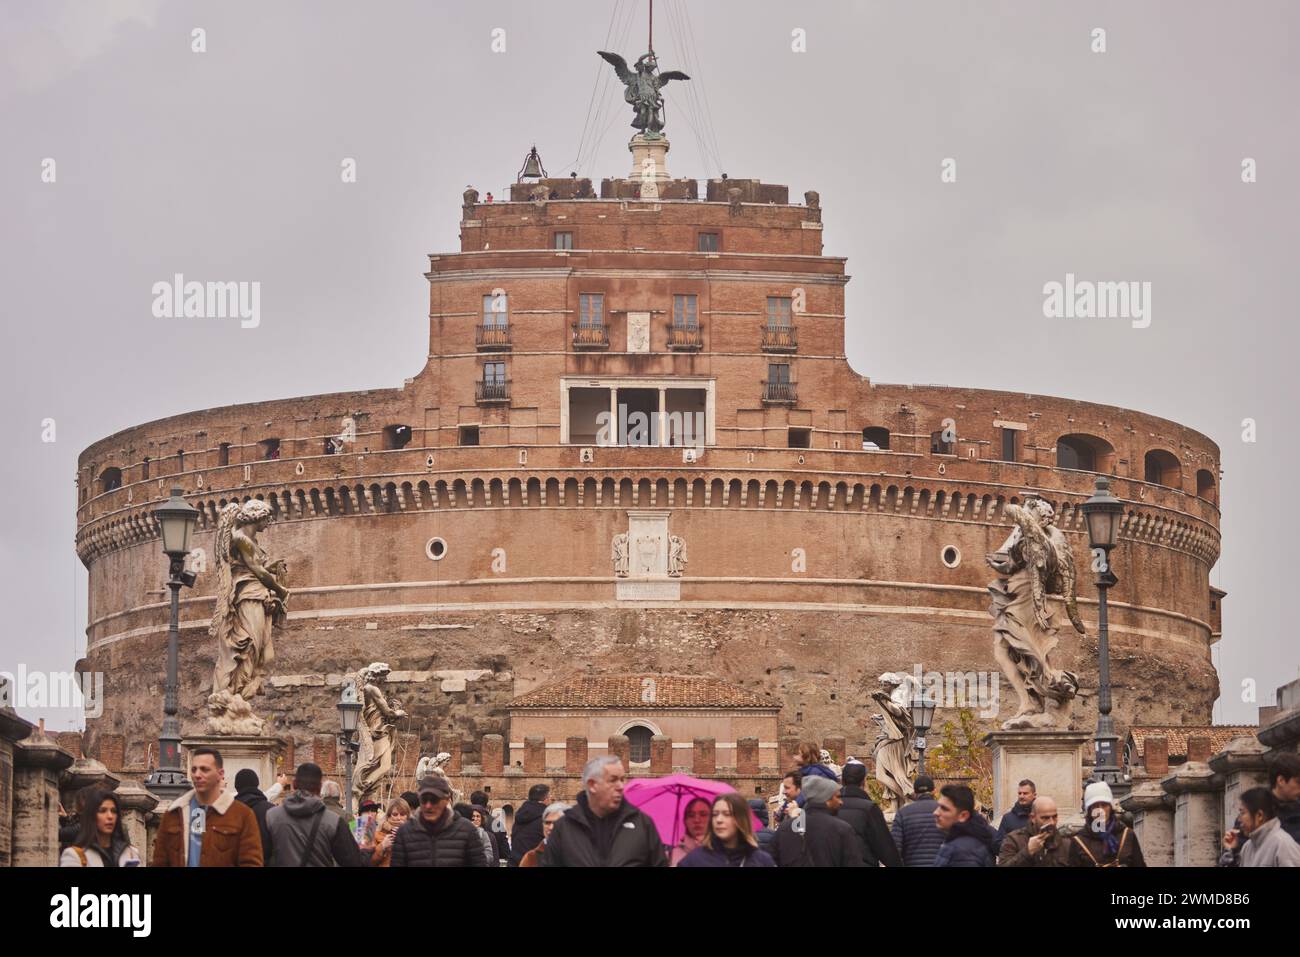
(533, 168)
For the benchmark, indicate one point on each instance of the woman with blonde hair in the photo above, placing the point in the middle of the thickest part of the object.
(730, 841)
(395, 815)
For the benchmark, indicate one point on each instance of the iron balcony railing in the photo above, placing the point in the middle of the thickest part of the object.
(780, 339)
(492, 390)
(590, 337)
(685, 338)
(778, 391)
(490, 338)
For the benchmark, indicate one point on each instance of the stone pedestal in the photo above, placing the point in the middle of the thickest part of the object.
(38, 763)
(1242, 766)
(649, 163)
(85, 772)
(137, 803)
(261, 753)
(1197, 815)
(13, 729)
(1153, 822)
(1053, 760)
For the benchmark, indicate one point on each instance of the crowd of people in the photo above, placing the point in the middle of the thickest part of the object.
(823, 817)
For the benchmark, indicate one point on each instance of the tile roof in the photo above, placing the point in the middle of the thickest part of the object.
(640, 691)
(1177, 735)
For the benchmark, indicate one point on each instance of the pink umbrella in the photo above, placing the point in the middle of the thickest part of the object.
(665, 800)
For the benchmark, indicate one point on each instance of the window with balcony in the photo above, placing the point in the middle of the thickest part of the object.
(685, 331)
(590, 331)
(493, 387)
(778, 387)
(779, 332)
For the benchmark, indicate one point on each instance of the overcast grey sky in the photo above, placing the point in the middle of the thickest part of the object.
(225, 165)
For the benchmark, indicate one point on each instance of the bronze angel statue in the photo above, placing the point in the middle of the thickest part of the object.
(1036, 584)
(643, 83)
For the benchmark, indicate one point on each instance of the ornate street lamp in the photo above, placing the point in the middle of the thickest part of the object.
(176, 520)
(922, 708)
(1103, 513)
(349, 714)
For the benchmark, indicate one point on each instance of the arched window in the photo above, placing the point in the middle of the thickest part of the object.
(1162, 468)
(396, 436)
(1087, 453)
(638, 739)
(874, 437)
(1205, 487)
(110, 479)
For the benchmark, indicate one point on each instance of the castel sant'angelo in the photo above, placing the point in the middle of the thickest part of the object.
(637, 447)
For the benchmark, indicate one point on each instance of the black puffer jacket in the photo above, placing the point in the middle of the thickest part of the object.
(452, 842)
(527, 833)
(868, 822)
(635, 840)
(259, 805)
(916, 835)
(1013, 820)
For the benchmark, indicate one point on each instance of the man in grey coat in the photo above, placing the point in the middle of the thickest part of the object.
(304, 832)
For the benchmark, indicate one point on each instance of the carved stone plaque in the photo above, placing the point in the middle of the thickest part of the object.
(638, 332)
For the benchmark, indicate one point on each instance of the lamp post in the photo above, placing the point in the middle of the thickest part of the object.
(1103, 513)
(922, 708)
(349, 713)
(176, 520)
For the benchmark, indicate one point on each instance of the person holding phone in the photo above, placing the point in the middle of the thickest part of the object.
(1037, 844)
(102, 840)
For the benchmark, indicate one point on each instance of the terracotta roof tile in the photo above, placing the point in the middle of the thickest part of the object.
(1177, 735)
(640, 691)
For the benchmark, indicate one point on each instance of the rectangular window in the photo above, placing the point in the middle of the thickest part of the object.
(778, 372)
(496, 309)
(938, 445)
(563, 241)
(591, 310)
(709, 242)
(778, 312)
(1009, 445)
(469, 435)
(223, 453)
(800, 438)
(685, 312)
(494, 373)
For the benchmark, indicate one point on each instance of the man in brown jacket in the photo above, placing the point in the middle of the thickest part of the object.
(1038, 844)
(206, 826)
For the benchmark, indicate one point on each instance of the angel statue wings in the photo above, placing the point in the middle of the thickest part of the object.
(379, 716)
(251, 595)
(1035, 586)
(643, 83)
(893, 751)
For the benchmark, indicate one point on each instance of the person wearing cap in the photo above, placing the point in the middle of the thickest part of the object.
(817, 838)
(436, 836)
(1104, 841)
(248, 791)
(867, 820)
(306, 833)
(967, 837)
(915, 834)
